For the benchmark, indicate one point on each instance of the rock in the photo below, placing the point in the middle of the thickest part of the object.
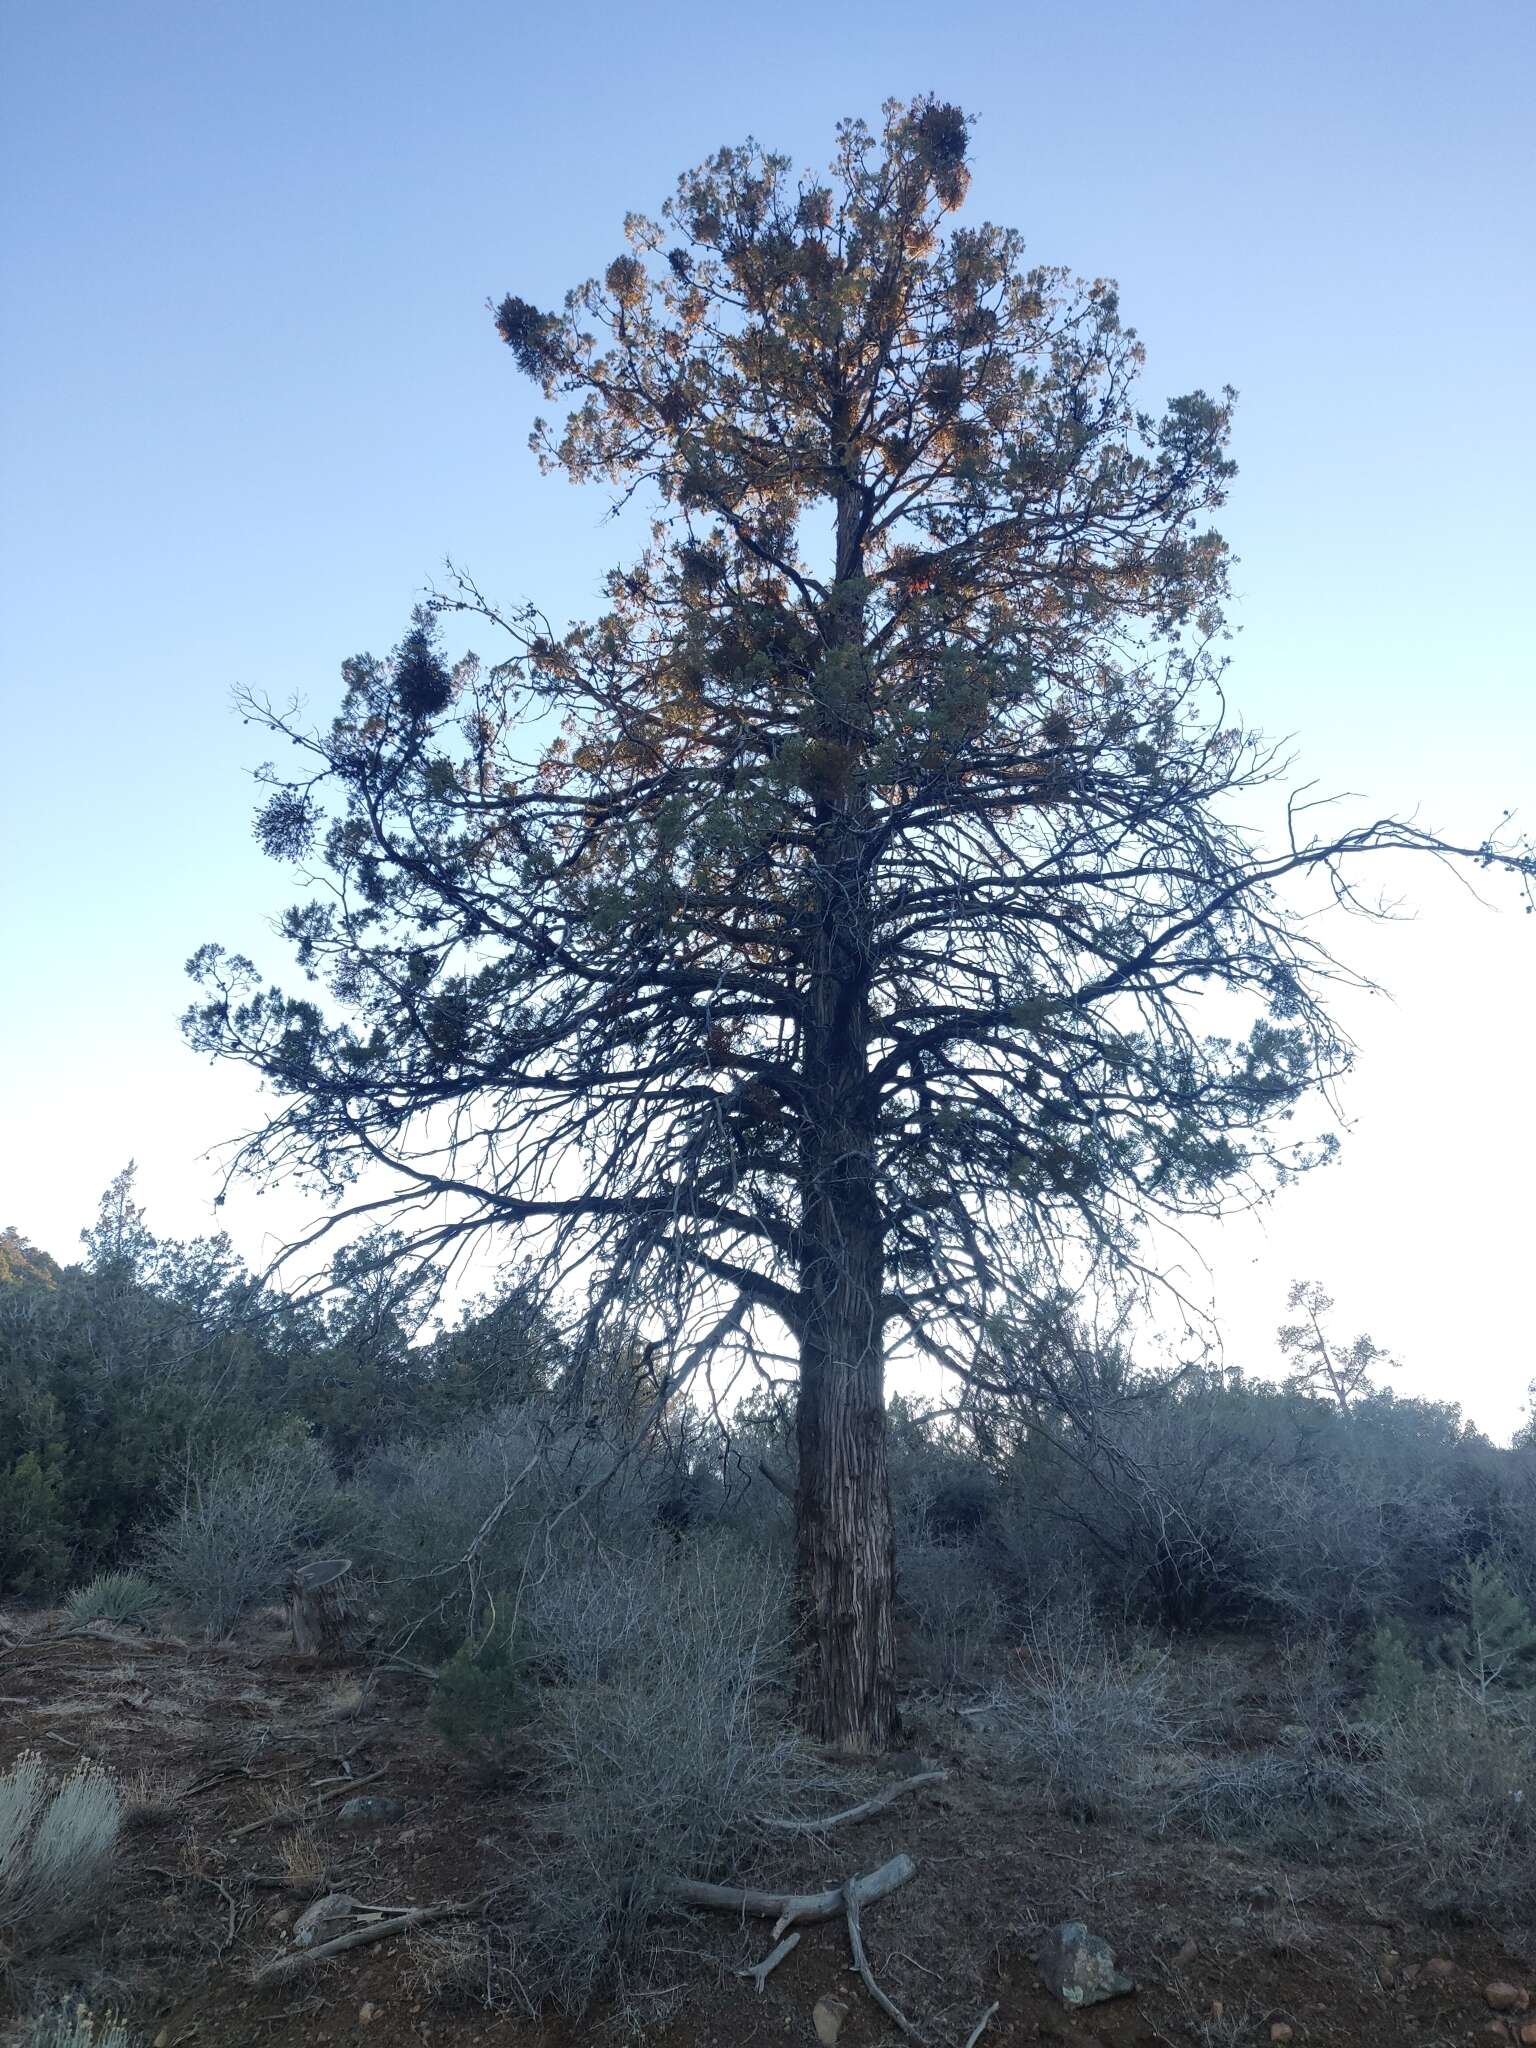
(1502, 1996)
(1441, 1968)
(1186, 1953)
(1281, 2030)
(827, 2016)
(369, 1809)
(1080, 1967)
(323, 1919)
(366, 2013)
(1528, 2034)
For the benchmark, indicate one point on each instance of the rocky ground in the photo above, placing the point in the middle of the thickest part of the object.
(244, 1762)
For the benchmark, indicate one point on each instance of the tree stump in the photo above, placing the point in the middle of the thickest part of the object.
(323, 1607)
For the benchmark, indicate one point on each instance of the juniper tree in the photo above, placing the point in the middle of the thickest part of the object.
(850, 920)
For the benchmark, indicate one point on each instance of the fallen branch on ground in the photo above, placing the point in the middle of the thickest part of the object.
(760, 1972)
(269, 1820)
(855, 1894)
(356, 1937)
(860, 1812)
(786, 1908)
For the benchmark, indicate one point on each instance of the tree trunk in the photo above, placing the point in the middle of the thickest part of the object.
(322, 1608)
(844, 1538)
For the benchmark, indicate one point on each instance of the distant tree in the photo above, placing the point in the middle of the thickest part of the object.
(1320, 1365)
(22, 1264)
(852, 922)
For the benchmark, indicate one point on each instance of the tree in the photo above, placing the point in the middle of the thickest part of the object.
(849, 924)
(1320, 1366)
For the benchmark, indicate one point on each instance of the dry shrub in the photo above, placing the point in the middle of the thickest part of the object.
(228, 1547)
(1460, 1771)
(1088, 1718)
(659, 1739)
(57, 1841)
(72, 2025)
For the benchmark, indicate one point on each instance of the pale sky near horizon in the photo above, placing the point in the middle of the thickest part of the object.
(250, 398)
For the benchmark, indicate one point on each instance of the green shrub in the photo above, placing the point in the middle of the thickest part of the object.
(114, 1596)
(1393, 1671)
(482, 1695)
(1495, 1645)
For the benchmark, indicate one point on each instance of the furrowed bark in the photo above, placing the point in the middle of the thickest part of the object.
(845, 1541)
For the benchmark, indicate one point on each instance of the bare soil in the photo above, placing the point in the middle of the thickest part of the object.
(1225, 1945)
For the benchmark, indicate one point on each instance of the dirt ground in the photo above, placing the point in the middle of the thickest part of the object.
(1226, 1947)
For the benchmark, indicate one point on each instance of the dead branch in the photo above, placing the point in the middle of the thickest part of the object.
(785, 1908)
(981, 2025)
(855, 1894)
(859, 1812)
(356, 1937)
(268, 1820)
(760, 1972)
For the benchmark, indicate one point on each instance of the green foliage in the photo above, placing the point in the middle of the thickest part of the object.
(483, 1693)
(1494, 1645)
(114, 1596)
(153, 1358)
(1394, 1671)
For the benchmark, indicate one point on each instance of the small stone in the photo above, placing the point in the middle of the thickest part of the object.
(1187, 1952)
(827, 2016)
(1280, 2030)
(1080, 1967)
(1502, 1996)
(1528, 2033)
(1218, 2010)
(369, 1809)
(365, 2014)
(1441, 1968)
(162, 2039)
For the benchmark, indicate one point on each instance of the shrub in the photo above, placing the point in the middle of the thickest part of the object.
(1495, 1644)
(72, 2025)
(658, 1742)
(56, 1847)
(1300, 1801)
(114, 1596)
(229, 1545)
(1460, 1772)
(482, 1694)
(1086, 1718)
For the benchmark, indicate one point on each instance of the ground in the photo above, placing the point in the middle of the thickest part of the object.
(1225, 1945)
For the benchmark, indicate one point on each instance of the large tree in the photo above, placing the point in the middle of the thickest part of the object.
(858, 919)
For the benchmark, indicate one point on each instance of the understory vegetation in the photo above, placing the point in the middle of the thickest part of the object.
(596, 1592)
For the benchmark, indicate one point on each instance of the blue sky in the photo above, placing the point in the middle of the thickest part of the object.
(251, 397)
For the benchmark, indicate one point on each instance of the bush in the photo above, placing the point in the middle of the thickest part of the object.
(56, 1846)
(1087, 1719)
(1459, 1770)
(482, 1695)
(229, 1546)
(114, 1596)
(72, 2025)
(658, 1742)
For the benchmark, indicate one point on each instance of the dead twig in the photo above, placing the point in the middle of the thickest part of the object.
(981, 2025)
(760, 1972)
(860, 1812)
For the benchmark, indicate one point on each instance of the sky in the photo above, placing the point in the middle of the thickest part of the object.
(250, 398)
